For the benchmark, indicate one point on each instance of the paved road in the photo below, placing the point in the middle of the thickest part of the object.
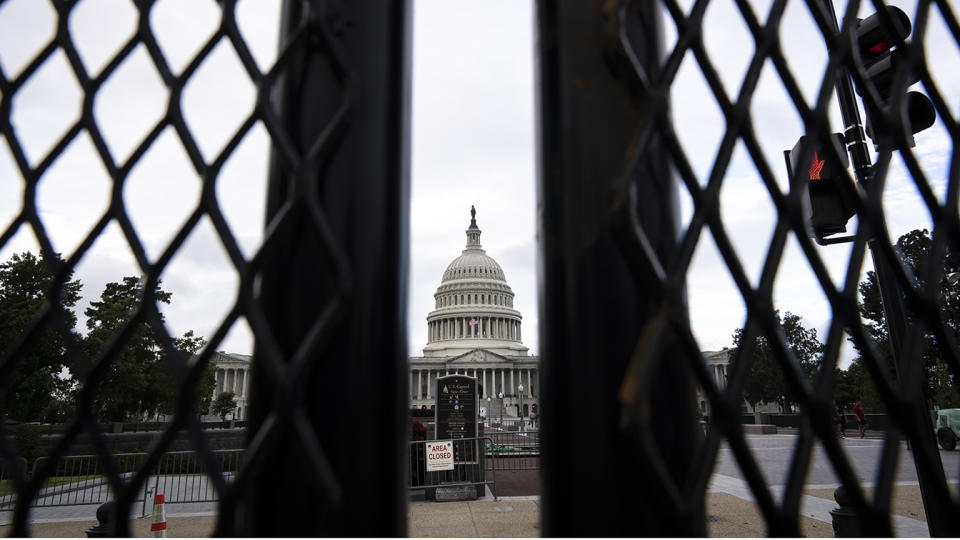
(774, 452)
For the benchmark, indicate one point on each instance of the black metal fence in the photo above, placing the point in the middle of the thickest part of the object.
(473, 467)
(614, 263)
(80, 480)
(514, 450)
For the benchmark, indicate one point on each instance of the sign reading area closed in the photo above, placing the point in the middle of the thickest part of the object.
(439, 455)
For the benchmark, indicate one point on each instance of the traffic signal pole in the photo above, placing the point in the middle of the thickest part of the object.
(930, 473)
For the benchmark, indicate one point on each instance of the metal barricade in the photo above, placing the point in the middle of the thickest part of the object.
(513, 450)
(471, 465)
(8, 492)
(79, 480)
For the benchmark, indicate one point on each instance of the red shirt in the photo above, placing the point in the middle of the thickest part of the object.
(858, 411)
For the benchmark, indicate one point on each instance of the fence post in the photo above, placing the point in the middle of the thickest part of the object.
(333, 281)
(599, 180)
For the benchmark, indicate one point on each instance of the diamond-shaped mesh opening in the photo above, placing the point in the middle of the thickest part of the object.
(20, 43)
(59, 191)
(126, 117)
(45, 107)
(217, 100)
(238, 190)
(182, 28)
(99, 28)
(158, 215)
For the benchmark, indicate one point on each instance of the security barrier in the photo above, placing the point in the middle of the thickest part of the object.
(80, 480)
(472, 466)
(513, 450)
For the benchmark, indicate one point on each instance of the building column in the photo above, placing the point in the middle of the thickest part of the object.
(503, 381)
(529, 383)
(513, 383)
(428, 383)
(419, 384)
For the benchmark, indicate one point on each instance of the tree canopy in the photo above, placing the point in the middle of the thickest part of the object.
(225, 404)
(139, 382)
(766, 382)
(940, 384)
(34, 382)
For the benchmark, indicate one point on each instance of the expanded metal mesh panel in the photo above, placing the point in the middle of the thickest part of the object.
(648, 84)
(309, 31)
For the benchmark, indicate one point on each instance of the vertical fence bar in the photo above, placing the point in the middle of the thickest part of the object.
(334, 280)
(594, 306)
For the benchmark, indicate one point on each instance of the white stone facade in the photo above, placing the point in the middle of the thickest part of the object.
(233, 375)
(474, 330)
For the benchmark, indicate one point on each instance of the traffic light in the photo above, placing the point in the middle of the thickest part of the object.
(830, 188)
(882, 61)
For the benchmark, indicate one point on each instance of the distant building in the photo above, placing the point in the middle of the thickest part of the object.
(233, 375)
(717, 363)
(474, 330)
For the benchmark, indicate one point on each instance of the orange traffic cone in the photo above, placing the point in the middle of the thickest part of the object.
(159, 526)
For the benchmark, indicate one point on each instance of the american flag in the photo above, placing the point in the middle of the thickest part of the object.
(474, 321)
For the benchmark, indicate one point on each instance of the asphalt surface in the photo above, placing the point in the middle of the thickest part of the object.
(516, 511)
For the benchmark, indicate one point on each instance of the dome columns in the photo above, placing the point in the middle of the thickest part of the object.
(487, 327)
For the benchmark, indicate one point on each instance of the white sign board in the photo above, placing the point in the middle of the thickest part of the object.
(439, 455)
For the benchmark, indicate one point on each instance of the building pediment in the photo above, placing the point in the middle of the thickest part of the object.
(479, 356)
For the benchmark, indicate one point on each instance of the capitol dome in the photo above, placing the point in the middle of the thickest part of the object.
(473, 305)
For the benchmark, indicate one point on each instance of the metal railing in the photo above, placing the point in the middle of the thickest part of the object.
(473, 466)
(514, 450)
(80, 480)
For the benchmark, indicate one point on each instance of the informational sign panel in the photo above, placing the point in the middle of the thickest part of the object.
(439, 455)
(456, 413)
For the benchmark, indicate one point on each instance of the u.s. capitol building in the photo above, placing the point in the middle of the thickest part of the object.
(474, 330)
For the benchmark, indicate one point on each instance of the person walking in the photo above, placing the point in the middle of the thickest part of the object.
(861, 417)
(839, 420)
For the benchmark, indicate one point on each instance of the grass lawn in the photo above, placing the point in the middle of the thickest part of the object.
(6, 486)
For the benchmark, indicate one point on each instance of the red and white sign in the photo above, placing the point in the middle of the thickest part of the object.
(439, 455)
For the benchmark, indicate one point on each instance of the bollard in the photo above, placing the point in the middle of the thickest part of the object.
(844, 518)
(100, 530)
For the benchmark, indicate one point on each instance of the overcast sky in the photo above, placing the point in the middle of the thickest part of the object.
(473, 143)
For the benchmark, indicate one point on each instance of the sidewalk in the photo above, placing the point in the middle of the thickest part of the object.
(731, 513)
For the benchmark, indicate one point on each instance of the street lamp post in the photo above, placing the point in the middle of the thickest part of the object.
(489, 402)
(500, 395)
(520, 409)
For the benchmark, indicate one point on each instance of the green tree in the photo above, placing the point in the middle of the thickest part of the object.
(35, 380)
(188, 345)
(138, 383)
(855, 383)
(225, 404)
(914, 249)
(766, 382)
